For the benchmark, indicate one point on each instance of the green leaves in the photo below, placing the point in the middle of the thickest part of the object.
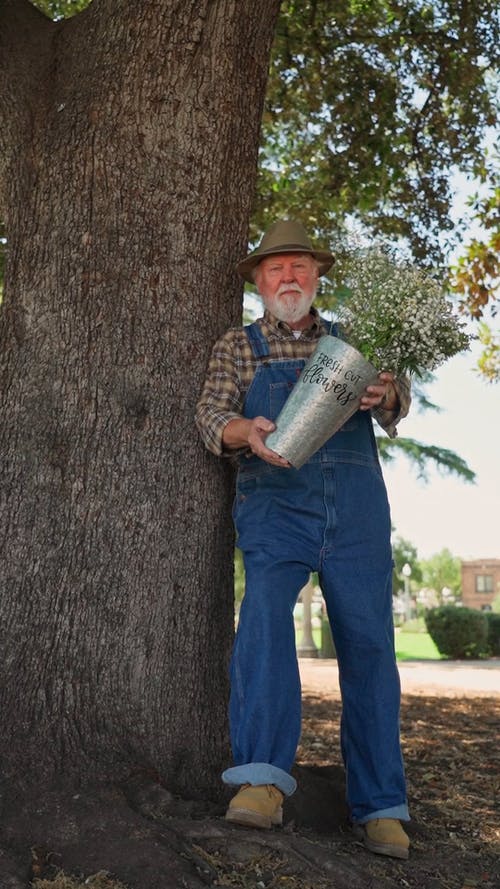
(476, 278)
(489, 361)
(60, 9)
(368, 106)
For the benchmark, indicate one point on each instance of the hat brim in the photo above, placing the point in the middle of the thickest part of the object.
(245, 268)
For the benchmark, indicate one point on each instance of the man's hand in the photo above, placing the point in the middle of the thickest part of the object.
(381, 394)
(252, 434)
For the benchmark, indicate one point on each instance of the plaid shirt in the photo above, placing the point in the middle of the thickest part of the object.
(232, 367)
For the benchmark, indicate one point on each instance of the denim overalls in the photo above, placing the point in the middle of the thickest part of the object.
(330, 516)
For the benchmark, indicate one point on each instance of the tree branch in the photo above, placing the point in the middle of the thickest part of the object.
(420, 455)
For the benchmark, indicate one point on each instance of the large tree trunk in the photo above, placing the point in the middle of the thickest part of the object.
(129, 141)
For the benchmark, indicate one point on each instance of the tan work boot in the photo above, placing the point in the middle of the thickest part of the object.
(384, 836)
(256, 806)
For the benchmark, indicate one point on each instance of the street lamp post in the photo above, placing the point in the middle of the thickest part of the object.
(407, 596)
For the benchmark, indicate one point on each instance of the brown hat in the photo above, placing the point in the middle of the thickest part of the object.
(284, 236)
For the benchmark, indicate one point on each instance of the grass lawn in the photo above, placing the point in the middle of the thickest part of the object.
(409, 645)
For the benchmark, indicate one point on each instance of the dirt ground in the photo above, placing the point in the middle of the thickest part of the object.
(140, 837)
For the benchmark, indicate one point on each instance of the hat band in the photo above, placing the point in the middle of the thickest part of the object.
(285, 248)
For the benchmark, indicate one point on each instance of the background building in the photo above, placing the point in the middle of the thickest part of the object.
(480, 583)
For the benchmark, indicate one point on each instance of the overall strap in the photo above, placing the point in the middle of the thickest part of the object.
(258, 342)
(333, 328)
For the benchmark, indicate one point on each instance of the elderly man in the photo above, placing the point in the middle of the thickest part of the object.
(329, 516)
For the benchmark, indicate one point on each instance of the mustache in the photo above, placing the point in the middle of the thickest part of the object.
(284, 288)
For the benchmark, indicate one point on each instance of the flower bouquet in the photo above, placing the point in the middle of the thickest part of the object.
(397, 316)
(393, 317)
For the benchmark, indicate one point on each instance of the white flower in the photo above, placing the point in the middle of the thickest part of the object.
(397, 315)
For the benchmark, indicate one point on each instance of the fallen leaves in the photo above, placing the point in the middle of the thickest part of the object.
(452, 759)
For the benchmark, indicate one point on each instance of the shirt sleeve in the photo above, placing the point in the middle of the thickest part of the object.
(221, 398)
(388, 420)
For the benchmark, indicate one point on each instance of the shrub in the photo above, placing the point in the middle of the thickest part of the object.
(458, 632)
(493, 621)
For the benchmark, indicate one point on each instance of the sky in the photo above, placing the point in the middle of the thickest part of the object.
(446, 511)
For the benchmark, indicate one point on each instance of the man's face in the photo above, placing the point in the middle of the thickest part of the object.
(287, 284)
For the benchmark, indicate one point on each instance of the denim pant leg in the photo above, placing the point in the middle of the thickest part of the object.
(265, 702)
(356, 577)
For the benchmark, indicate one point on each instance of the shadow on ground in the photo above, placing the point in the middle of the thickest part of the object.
(140, 837)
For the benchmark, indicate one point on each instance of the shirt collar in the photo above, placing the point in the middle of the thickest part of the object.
(282, 326)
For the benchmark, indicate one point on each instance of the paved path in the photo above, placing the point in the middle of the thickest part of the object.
(448, 678)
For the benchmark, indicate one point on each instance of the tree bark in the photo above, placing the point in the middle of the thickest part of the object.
(128, 138)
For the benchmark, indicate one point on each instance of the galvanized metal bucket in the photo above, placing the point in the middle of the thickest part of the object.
(327, 393)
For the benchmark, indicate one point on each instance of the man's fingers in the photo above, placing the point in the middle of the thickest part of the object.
(264, 425)
(373, 396)
(261, 429)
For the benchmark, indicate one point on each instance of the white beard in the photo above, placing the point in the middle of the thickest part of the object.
(287, 306)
